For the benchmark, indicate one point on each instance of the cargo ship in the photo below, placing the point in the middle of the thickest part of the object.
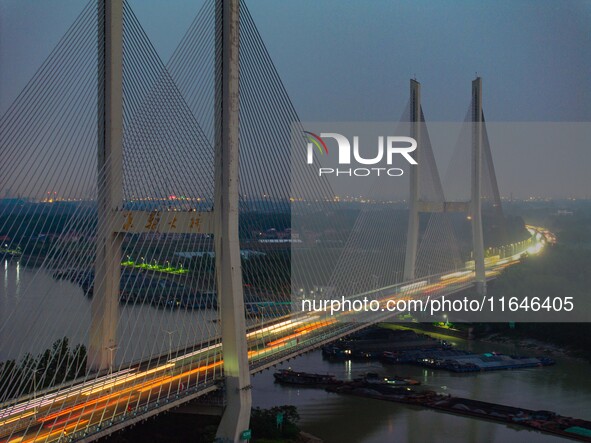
(541, 420)
(373, 378)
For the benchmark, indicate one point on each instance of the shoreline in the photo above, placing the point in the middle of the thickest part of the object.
(535, 345)
(527, 343)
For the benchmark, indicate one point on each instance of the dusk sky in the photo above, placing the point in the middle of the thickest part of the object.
(351, 61)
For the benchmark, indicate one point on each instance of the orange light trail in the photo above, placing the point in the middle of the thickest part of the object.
(21, 416)
(90, 403)
(176, 377)
(48, 435)
(128, 378)
(304, 331)
(315, 324)
(82, 414)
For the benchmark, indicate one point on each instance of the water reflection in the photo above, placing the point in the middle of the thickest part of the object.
(563, 388)
(348, 367)
(36, 310)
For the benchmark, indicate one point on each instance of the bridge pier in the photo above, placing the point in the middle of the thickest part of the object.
(236, 415)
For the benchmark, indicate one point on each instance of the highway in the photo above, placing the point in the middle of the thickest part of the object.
(83, 410)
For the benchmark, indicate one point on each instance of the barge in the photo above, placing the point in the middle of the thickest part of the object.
(540, 420)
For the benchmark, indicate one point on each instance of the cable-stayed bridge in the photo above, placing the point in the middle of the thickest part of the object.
(170, 198)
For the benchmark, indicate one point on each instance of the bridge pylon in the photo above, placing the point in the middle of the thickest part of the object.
(105, 300)
(412, 235)
(476, 187)
(236, 415)
(473, 207)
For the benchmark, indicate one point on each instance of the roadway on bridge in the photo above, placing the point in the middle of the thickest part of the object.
(87, 408)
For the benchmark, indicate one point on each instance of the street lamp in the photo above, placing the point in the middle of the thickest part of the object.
(111, 349)
(35, 372)
(169, 343)
(375, 281)
(262, 308)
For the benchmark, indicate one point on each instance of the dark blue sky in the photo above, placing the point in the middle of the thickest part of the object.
(351, 60)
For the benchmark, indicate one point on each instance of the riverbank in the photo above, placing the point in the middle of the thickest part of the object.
(429, 328)
(509, 337)
(184, 428)
(537, 346)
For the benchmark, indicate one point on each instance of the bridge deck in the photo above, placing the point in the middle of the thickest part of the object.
(85, 411)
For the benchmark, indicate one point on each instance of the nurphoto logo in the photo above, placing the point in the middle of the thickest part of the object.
(394, 145)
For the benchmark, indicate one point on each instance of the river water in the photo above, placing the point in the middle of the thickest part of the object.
(564, 388)
(36, 310)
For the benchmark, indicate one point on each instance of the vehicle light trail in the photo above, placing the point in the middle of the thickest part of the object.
(130, 385)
